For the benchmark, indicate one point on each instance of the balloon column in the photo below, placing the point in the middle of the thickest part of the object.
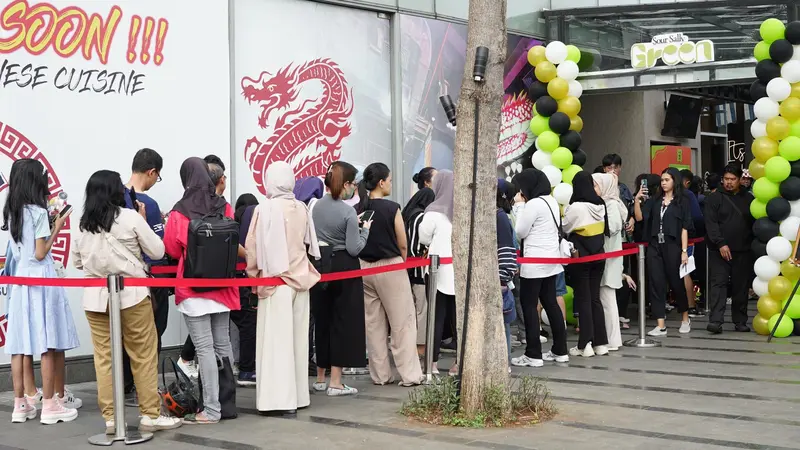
(556, 95)
(776, 168)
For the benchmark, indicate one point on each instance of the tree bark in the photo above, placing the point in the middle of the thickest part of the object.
(485, 357)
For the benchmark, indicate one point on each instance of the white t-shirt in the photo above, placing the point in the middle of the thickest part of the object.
(536, 227)
(436, 232)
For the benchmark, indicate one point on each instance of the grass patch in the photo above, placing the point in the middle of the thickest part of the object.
(438, 404)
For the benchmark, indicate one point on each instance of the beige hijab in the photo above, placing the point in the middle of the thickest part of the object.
(609, 192)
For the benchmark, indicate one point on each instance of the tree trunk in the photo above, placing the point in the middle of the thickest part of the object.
(485, 360)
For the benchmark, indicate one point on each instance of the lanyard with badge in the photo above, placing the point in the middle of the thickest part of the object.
(661, 223)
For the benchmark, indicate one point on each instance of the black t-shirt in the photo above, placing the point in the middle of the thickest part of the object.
(382, 241)
(676, 217)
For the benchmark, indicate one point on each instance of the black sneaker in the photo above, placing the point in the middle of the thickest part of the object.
(742, 328)
(694, 312)
(715, 328)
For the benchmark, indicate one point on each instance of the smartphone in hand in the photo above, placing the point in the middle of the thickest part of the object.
(366, 216)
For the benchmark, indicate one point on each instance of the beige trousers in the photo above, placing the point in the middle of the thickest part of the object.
(388, 302)
(608, 297)
(421, 306)
(282, 351)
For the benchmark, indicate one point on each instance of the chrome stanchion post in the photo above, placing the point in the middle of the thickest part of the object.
(132, 436)
(433, 273)
(642, 341)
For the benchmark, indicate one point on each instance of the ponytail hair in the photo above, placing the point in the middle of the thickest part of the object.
(424, 176)
(339, 174)
(373, 175)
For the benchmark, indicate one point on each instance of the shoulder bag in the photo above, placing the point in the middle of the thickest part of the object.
(565, 248)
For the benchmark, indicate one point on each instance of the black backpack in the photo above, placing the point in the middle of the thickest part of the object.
(212, 249)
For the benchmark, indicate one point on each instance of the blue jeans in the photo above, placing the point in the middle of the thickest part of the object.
(561, 284)
(210, 334)
(508, 340)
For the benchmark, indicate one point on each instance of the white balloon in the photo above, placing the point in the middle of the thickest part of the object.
(767, 269)
(767, 108)
(795, 208)
(541, 159)
(553, 174)
(508, 170)
(791, 71)
(556, 52)
(779, 249)
(758, 129)
(796, 54)
(563, 193)
(779, 89)
(568, 70)
(575, 88)
(789, 228)
(545, 319)
(760, 287)
(536, 144)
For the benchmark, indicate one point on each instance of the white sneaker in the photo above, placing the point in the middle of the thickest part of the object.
(600, 350)
(110, 428)
(35, 399)
(58, 414)
(339, 392)
(587, 352)
(160, 423)
(22, 415)
(657, 332)
(612, 349)
(189, 368)
(69, 400)
(542, 339)
(550, 356)
(524, 361)
(624, 320)
(686, 327)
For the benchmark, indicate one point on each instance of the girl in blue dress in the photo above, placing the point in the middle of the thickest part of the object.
(40, 318)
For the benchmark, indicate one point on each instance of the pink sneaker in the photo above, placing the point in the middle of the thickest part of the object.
(53, 412)
(22, 411)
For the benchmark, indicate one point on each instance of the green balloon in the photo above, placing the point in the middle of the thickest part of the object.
(789, 148)
(540, 124)
(772, 30)
(765, 190)
(761, 51)
(548, 141)
(794, 308)
(795, 129)
(562, 158)
(777, 169)
(569, 173)
(785, 327)
(573, 54)
(568, 306)
(758, 209)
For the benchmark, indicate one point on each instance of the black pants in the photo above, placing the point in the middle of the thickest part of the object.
(160, 299)
(187, 351)
(624, 293)
(699, 275)
(531, 292)
(663, 274)
(591, 318)
(444, 303)
(733, 274)
(245, 320)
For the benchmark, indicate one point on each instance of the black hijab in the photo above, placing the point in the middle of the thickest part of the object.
(200, 197)
(532, 183)
(242, 203)
(583, 192)
(418, 203)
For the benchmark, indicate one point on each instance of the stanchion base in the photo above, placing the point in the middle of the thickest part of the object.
(131, 437)
(642, 343)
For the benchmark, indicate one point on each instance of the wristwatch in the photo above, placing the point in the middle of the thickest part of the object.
(684, 250)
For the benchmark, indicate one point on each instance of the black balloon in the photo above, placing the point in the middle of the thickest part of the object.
(793, 33)
(546, 106)
(795, 168)
(790, 189)
(781, 51)
(572, 140)
(537, 90)
(765, 229)
(759, 248)
(758, 90)
(559, 122)
(778, 209)
(579, 157)
(796, 331)
(767, 70)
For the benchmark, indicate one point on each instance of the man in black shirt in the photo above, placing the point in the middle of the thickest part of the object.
(729, 236)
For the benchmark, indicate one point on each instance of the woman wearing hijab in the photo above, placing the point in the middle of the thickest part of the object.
(207, 314)
(586, 224)
(412, 217)
(666, 219)
(612, 274)
(308, 190)
(436, 232)
(537, 231)
(280, 230)
(245, 318)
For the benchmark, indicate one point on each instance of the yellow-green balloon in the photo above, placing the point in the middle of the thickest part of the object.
(795, 90)
(772, 30)
(777, 169)
(558, 88)
(756, 169)
(576, 124)
(765, 190)
(790, 271)
(562, 158)
(778, 128)
(779, 289)
(794, 307)
(761, 325)
(573, 54)
(764, 148)
(768, 306)
(795, 129)
(789, 148)
(761, 52)
(548, 141)
(536, 55)
(540, 124)
(758, 209)
(545, 71)
(785, 327)
(569, 173)
(790, 110)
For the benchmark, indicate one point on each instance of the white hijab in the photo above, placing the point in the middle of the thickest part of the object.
(271, 231)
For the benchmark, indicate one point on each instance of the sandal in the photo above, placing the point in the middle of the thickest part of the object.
(344, 390)
(198, 419)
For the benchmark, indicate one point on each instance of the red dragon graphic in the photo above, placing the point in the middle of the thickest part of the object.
(309, 135)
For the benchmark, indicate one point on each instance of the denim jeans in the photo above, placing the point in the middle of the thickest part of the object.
(211, 338)
(508, 340)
